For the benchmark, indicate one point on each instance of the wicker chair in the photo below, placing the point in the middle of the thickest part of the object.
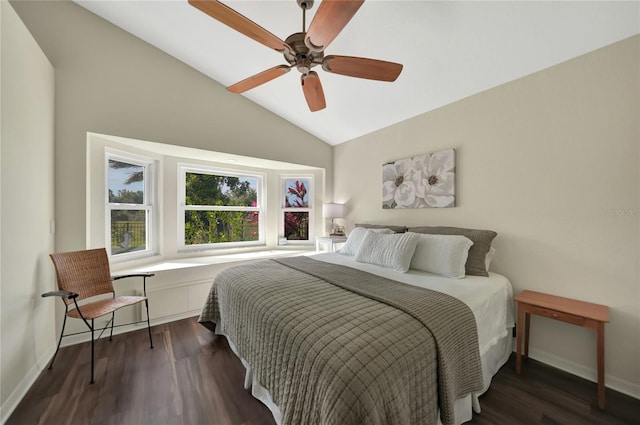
(85, 274)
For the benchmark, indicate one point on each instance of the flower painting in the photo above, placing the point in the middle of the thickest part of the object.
(425, 181)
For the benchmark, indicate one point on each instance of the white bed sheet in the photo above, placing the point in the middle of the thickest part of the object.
(489, 298)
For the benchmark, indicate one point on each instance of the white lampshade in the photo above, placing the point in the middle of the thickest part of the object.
(332, 210)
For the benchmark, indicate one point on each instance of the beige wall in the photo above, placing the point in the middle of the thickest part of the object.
(110, 82)
(26, 196)
(550, 162)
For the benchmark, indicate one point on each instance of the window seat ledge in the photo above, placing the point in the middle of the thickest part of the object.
(199, 261)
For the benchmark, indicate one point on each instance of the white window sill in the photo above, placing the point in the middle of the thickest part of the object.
(187, 262)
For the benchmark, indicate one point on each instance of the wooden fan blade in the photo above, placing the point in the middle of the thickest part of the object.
(240, 23)
(371, 69)
(313, 91)
(332, 16)
(258, 79)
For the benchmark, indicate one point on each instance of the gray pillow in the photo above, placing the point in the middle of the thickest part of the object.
(397, 229)
(481, 239)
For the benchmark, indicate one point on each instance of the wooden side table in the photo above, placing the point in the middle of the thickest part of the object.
(580, 313)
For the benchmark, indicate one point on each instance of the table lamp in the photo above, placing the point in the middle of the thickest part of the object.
(332, 211)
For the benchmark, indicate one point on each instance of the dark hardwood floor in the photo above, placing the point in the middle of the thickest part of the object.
(192, 377)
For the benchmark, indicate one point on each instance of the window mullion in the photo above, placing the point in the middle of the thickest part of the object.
(220, 208)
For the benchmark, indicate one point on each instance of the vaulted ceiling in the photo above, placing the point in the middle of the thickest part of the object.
(449, 49)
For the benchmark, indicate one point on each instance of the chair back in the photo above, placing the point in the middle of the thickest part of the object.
(83, 272)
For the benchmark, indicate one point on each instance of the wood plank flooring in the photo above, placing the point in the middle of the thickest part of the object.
(191, 377)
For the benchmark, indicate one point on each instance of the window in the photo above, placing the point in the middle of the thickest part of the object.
(220, 208)
(150, 202)
(296, 210)
(129, 205)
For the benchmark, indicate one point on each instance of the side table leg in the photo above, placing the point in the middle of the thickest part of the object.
(601, 388)
(527, 323)
(519, 330)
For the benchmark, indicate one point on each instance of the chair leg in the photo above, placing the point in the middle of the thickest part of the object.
(64, 323)
(113, 319)
(146, 304)
(92, 352)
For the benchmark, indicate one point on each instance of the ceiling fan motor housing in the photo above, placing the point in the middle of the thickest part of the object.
(301, 57)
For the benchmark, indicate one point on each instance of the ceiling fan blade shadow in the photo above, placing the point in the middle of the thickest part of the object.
(258, 79)
(240, 23)
(371, 69)
(330, 18)
(313, 92)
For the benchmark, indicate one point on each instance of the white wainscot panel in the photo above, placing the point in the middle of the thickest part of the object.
(197, 296)
(168, 302)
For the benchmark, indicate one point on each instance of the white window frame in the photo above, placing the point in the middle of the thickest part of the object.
(261, 208)
(310, 209)
(149, 204)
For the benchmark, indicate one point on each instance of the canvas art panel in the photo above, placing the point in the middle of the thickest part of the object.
(424, 181)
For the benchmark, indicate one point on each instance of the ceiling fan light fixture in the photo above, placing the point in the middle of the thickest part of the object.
(303, 64)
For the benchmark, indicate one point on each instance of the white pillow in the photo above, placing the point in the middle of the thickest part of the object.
(393, 251)
(445, 255)
(354, 240)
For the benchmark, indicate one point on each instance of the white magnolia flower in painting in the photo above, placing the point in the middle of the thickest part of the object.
(436, 184)
(399, 183)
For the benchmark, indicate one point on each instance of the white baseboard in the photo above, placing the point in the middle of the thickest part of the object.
(25, 384)
(613, 382)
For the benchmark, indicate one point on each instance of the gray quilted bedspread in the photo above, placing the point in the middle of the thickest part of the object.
(338, 346)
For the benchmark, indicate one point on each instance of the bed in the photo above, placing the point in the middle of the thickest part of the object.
(367, 335)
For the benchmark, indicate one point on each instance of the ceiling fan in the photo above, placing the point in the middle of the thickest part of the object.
(304, 50)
